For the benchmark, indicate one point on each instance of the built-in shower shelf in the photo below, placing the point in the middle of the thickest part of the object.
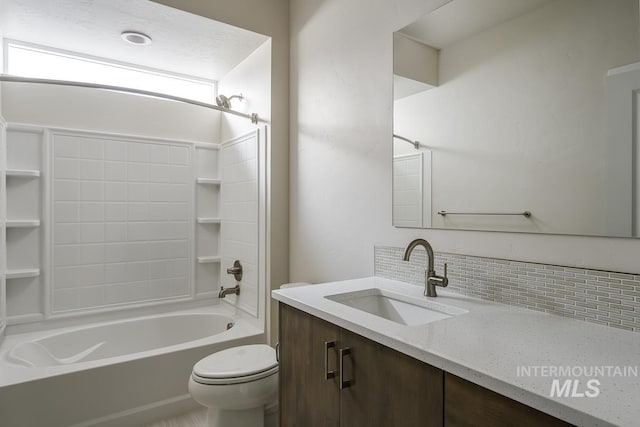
(207, 220)
(209, 181)
(208, 259)
(22, 273)
(25, 223)
(25, 173)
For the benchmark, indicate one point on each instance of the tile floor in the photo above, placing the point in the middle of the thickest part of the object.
(195, 418)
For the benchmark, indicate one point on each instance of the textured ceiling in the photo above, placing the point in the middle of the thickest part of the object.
(182, 43)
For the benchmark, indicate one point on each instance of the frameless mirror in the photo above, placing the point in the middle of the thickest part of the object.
(519, 115)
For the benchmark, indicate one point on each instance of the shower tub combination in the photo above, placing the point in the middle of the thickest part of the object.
(116, 373)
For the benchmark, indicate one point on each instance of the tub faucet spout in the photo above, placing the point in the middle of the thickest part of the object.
(431, 279)
(226, 291)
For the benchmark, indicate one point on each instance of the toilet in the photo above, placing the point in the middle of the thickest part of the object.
(236, 384)
(239, 385)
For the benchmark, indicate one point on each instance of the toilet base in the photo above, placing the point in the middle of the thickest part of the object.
(245, 417)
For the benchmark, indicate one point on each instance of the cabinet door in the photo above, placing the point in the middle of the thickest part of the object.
(387, 388)
(306, 397)
(469, 405)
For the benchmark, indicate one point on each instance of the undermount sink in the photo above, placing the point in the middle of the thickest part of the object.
(396, 307)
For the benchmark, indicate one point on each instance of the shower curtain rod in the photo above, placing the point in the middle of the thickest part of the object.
(415, 144)
(15, 79)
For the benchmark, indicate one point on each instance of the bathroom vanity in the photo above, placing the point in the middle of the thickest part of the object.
(378, 385)
(315, 390)
(353, 353)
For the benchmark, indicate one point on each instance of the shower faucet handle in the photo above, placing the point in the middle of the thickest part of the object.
(236, 270)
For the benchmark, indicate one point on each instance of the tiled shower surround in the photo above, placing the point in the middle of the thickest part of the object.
(603, 297)
(121, 221)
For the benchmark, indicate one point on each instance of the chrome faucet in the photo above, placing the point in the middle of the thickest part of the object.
(431, 279)
(226, 291)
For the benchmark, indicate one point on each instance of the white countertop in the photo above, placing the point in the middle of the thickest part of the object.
(492, 343)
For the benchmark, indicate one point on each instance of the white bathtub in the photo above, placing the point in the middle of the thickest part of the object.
(118, 373)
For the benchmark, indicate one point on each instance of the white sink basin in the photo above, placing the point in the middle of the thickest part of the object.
(396, 307)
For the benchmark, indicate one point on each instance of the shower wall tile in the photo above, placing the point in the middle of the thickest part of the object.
(407, 190)
(604, 297)
(239, 216)
(121, 221)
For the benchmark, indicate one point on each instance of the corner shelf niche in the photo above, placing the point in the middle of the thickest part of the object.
(24, 234)
(208, 223)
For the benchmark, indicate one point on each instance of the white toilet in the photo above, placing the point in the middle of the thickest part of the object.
(236, 384)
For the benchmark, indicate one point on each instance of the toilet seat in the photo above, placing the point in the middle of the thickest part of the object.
(236, 365)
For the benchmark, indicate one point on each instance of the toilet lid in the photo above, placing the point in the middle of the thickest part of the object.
(242, 361)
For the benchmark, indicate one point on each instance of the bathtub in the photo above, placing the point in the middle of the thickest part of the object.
(117, 373)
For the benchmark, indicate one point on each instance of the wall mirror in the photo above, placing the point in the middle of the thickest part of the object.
(519, 115)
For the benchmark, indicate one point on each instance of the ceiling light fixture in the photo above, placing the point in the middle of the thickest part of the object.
(134, 37)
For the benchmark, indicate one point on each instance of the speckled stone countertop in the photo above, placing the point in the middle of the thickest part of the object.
(509, 350)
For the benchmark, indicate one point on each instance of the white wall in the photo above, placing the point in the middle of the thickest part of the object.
(252, 79)
(100, 110)
(415, 60)
(524, 96)
(341, 108)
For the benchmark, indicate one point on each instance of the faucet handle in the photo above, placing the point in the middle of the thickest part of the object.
(436, 280)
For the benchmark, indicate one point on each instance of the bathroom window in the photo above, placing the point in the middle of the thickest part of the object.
(26, 60)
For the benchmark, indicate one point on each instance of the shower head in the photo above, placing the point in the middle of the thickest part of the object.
(225, 102)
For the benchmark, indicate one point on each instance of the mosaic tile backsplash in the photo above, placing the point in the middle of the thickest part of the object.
(603, 297)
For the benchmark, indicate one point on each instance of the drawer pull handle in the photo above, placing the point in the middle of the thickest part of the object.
(344, 383)
(327, 373)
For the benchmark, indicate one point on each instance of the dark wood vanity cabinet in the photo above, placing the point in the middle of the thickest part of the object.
(306, 397)
(381, 386)
(389, 388)
(470, 405)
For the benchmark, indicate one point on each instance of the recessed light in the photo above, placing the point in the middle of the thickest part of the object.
(136, 38)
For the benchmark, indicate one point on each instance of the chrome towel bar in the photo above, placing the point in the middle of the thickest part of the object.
(525, 213)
